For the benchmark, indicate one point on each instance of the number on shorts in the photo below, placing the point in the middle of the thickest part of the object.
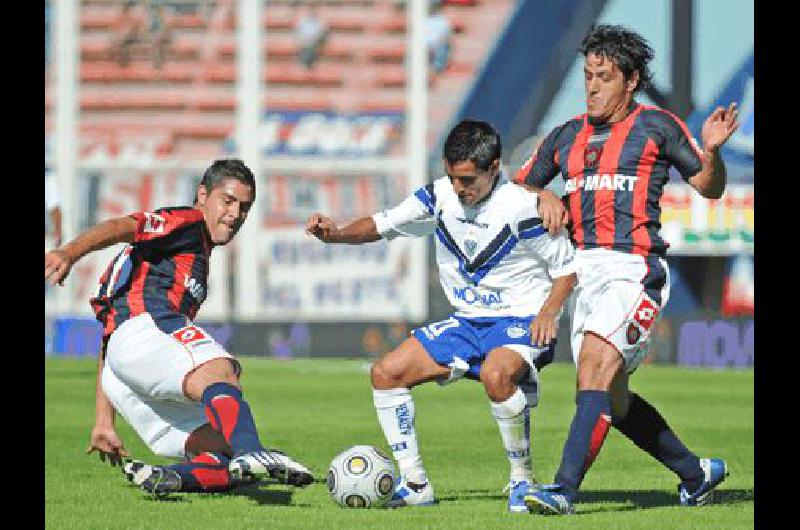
(437, 328)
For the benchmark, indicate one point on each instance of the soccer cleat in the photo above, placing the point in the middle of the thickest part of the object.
(714, 470)
(161, 481)
(410, 494)
(269, 463)
(547, 499)
(516, 495)
(136, 471)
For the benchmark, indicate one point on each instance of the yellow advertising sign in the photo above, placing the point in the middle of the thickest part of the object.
(694, 225)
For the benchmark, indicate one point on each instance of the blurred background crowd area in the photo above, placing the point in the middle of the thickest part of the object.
(147, 93)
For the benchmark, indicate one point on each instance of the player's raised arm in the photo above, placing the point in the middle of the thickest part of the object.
(718, 127)
(58, 262)
(362, 230)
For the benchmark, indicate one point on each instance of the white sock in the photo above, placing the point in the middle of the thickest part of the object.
(513, 419)
(395, 409)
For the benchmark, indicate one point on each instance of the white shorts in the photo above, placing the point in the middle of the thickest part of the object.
(144, 374)
(618, 297)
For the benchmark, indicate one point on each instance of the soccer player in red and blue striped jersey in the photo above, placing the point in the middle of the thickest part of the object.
(173, 383)
(615, 160)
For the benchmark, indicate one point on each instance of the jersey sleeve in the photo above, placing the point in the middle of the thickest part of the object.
(52, 199)
(414, 217)
(680, 147)
(541, 168)
(163, 228)
(557, 252)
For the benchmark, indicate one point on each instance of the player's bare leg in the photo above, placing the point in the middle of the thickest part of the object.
(206, 439)
(500, 373)
(393, 376)
(406, 366)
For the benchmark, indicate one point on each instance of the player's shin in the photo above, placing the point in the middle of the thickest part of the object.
(206, 472)
(513, 420)
(586, 436)
(230, 414)
(645, 427)
(395, 409)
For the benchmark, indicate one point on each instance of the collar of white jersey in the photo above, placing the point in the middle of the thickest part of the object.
(502, 178)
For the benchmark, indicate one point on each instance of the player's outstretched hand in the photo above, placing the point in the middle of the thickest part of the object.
(543, 329)
(105, 441)
(321, 227)
(719, 126)
(57, 265)
(554, 215)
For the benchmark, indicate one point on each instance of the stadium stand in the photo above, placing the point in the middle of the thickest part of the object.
(191, 98)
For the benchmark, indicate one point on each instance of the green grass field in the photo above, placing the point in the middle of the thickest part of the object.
(313, 409)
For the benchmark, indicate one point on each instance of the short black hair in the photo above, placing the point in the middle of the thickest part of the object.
(473, 140)
(228, 168)
(624, 47)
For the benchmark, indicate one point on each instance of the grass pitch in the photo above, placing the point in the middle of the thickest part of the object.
(313, 409)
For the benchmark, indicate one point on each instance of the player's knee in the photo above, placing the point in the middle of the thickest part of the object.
(595, 374)
(206, 439)
(216, 371)
(385, 375)
(597, 366)
(497, 382)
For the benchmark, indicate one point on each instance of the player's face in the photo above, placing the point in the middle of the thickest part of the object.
(225, 208)
(470, 183)
(607, 92)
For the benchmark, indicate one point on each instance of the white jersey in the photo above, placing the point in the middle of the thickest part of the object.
(495, 259)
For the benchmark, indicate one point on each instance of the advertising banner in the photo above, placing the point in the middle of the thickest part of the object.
(693, 225)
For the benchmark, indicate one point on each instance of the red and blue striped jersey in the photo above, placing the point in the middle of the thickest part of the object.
(164, 271)
(615, 174)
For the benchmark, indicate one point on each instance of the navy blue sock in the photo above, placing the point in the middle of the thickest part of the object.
(230, 414)
(206, 472)
(586, 435)
(645, 427)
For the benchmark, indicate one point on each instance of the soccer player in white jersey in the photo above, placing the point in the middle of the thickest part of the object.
(507, 279)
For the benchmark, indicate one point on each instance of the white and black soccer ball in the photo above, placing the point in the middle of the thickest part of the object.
(361, 477)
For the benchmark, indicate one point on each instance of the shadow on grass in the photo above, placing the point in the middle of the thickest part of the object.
(659, 498)
(484, 494)
(263, 493)
(636, 499)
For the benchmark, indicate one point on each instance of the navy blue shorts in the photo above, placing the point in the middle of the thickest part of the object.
(471, 340)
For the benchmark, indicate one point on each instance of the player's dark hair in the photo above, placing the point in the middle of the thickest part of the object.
(472, 140)
(228, 168)
(625, 48)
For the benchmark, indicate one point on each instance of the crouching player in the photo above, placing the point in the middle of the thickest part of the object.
(506, 277)
(171, 381)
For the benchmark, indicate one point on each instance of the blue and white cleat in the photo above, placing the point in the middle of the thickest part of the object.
(272, 463)
(410, 494)
(516, 495)
(715, 471)
(547, 499)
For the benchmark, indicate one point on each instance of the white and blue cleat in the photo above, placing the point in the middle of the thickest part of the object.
(516, 495)
(714, 470)
(410, 494)
(547, 499)
(272, 463)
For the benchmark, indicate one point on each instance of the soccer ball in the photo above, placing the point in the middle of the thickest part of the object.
(361, 477)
